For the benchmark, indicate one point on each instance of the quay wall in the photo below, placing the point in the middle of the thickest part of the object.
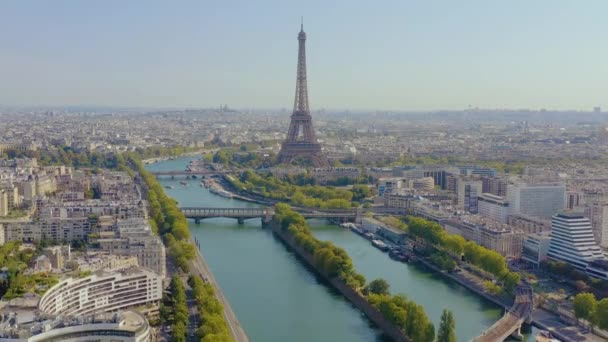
(466, 284)
(356, 299)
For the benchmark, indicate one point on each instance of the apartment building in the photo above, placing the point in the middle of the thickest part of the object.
(103, 292)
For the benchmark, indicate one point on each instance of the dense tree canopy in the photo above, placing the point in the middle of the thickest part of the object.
(213, 326)
(584, 306)
(378, 286)
(168, 220)
(298, 195)
(433, 234)
(335, 262)
(601, 314)
(174, 310)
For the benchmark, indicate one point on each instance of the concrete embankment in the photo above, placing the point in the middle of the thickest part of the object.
(199, 266)
(536, 320)
(469, 285)
(355, 298)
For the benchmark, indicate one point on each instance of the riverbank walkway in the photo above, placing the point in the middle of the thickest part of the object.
(199, 267)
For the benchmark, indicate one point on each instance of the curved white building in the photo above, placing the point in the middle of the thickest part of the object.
(103, 292)
(126, 326)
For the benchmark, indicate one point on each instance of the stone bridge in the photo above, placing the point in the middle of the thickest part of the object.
(265, 213)
(510, 324)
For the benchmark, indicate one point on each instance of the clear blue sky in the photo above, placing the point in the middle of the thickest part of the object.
(410, 55)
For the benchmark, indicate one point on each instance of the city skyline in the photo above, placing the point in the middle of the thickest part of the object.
(401, 56)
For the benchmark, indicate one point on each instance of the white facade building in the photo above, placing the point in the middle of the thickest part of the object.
(103, 292)
(493, 207)
(540, 200)
(572, 240)
(124, 326)
(598, 214)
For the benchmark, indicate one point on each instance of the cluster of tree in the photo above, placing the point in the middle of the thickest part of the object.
(405, 314)
(65, 155)
(162, 151)
(213, 325)
(174, 310)
(300, 179)
(587, 307)
(16, 283)
(305, 196)
(243, 157)
(166, 218)
(488, 260)
(335, 262)
(342, 181)
(330, 259)
(443, 261)
(394, 222)
(493, 288)
(582, 281)
(362, 191)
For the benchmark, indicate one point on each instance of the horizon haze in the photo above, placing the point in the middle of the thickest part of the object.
(403, 55)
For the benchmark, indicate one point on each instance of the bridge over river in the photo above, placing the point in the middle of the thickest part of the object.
(265, 213)
(188, 174)
(510, 323)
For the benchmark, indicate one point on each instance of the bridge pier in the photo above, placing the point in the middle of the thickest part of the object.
(197, 221)
(358, 217)
(240, 220)
(266, 220)
(517, 334)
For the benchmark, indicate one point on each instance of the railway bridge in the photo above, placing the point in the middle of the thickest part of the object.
(265, 213)
(510, 324)
(188, 174)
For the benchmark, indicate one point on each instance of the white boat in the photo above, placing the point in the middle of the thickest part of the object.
(220, 192)
(380, 245)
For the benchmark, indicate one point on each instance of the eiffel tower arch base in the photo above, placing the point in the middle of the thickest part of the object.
(298, 152)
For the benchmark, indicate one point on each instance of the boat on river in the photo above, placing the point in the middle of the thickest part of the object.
(168, 186)
(380, 245)
(356, 230)
(398, 255)
(184, 183)
(220, 192)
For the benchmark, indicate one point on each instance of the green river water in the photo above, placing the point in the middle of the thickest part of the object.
(277, 298)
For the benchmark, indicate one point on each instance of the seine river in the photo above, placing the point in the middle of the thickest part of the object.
(276, 298)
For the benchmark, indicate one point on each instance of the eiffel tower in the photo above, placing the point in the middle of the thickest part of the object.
(301, 142)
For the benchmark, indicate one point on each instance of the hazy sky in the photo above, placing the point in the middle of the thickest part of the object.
(410, 55)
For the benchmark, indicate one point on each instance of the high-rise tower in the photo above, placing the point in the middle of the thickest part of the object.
(301, 140)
